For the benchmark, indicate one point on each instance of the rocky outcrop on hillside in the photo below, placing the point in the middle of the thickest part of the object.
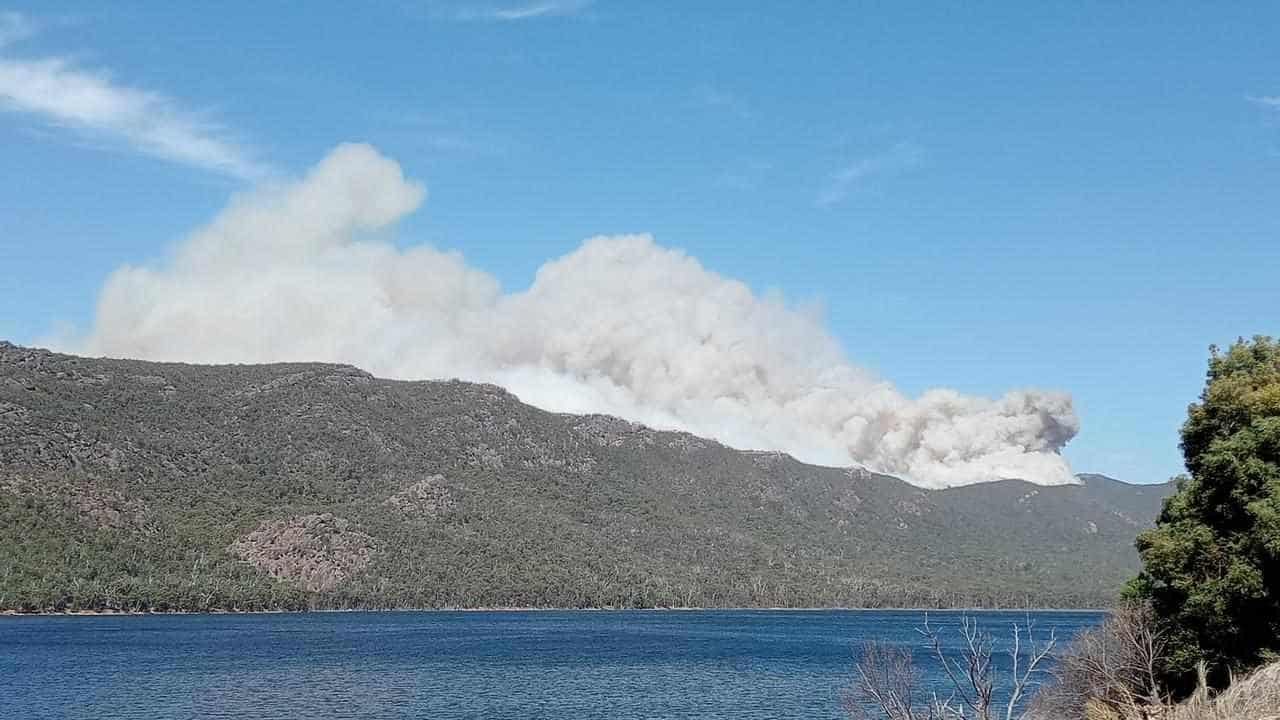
(427, 498)
(315, 552)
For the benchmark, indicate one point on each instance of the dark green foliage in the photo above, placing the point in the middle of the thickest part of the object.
(124, 484)
(1212, 563)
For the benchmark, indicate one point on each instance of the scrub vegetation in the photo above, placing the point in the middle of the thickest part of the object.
(145, 486)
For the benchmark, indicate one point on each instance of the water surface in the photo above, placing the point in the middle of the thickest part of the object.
(620, 665)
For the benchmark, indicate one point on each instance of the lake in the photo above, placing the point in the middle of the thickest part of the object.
(620, 665)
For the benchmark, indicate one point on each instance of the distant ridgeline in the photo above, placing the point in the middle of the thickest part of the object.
(132, 485)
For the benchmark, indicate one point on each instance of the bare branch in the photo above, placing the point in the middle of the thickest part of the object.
(1113, 668)
(886, 680)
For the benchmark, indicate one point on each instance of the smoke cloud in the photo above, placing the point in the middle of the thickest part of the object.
(621, 325)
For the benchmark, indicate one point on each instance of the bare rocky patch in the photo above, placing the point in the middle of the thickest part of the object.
(428, 497)
(13, 413)
(768, 459)
(315, 552)
(107, 509)
(333, 375)
(917, 504)
(610, 431)
(96, 506)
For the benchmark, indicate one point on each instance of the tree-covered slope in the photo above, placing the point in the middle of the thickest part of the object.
(136, 485)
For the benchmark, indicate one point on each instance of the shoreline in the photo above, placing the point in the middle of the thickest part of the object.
(137, 613)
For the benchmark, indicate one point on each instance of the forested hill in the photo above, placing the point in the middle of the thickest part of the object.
(136, 485)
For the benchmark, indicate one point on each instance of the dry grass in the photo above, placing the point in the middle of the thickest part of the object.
(1254, 697)
(1111, 673)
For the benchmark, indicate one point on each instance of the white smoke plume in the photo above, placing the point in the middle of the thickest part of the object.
(621, 325)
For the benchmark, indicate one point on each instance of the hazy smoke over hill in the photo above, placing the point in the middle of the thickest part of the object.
(621, 325)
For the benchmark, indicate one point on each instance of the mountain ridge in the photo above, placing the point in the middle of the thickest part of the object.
(137, 485)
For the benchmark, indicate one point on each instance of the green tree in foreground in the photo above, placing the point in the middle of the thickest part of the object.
(1212, 563)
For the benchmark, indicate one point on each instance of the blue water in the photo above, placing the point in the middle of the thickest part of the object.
(619, 665)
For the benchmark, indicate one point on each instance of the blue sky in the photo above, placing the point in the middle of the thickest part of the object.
(983, 198)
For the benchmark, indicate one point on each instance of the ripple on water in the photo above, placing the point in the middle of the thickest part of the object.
(620, 665)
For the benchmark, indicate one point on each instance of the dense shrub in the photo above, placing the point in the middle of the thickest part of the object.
(1211, 566)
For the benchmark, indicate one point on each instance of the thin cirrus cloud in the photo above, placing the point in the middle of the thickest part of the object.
(517, 13)
(1271, 101)
(92, 104)
(14, 27)
(842, 183)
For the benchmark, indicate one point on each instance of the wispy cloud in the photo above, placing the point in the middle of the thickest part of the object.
(516, 13)
(1271, 101)
(899, 158)
(14, 26)
(93, 104)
